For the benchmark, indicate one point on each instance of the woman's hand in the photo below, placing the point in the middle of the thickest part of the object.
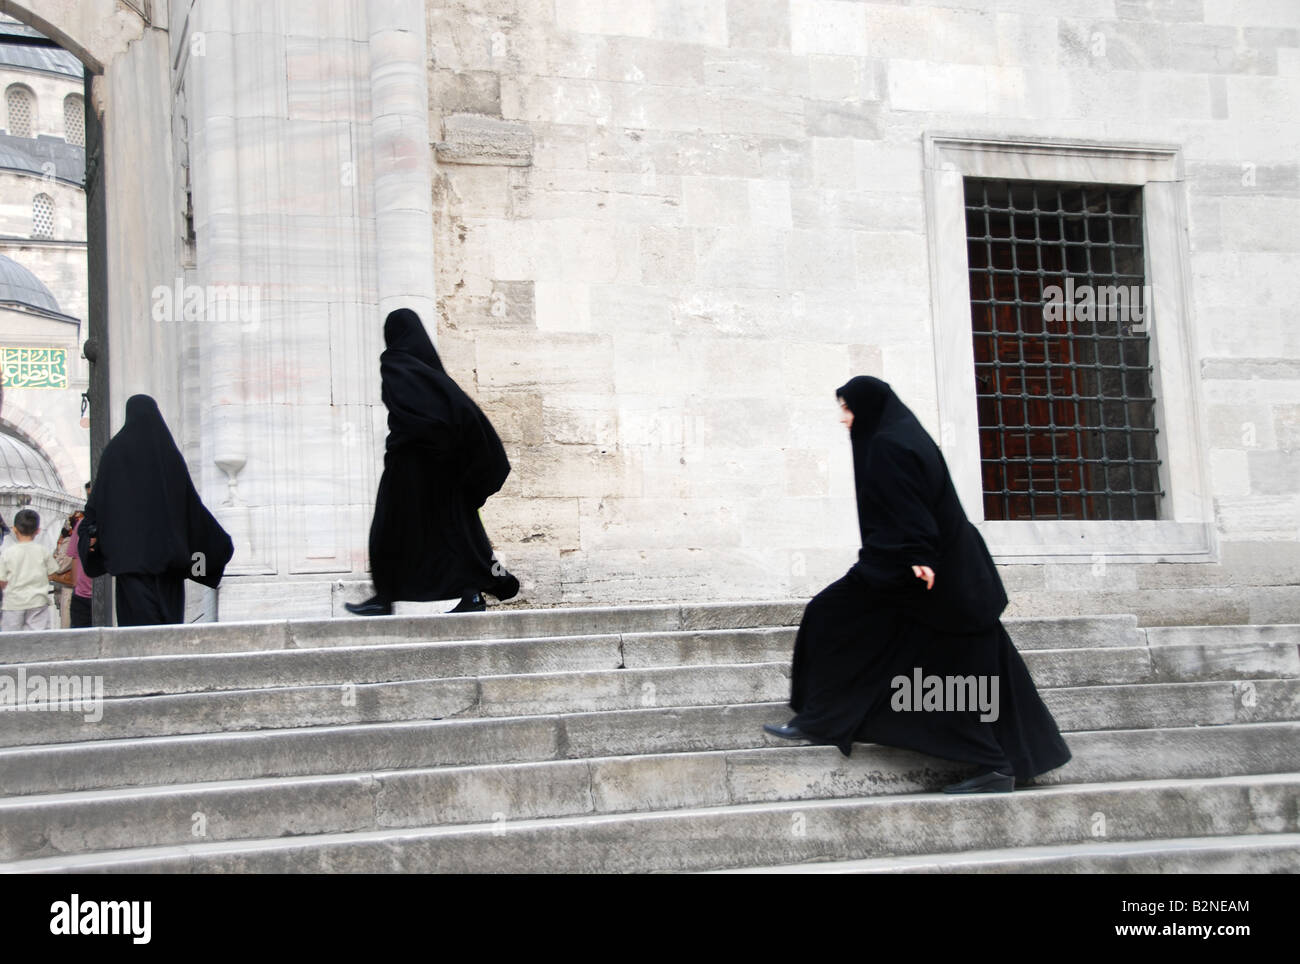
(926, 573)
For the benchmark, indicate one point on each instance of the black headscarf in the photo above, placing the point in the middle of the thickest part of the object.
(143, 510)
(404, 332)
(427, 409)
(891, 456)
(866, 398)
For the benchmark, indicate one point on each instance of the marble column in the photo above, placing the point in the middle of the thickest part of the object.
(399, 96)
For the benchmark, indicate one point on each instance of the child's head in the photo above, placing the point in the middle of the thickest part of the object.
(27, 522)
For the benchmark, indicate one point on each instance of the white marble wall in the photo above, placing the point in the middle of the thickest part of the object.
(308, 148)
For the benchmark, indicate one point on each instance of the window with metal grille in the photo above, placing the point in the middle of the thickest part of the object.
(74, 120)
(1062, 353)
(42, 216)
(21, 106)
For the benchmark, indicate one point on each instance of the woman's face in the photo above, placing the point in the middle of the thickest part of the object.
(846, 416)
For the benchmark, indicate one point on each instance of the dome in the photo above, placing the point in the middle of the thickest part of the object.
(23, 468)
(41, 156)
(50, 60)
(18, 286)
(47, 58)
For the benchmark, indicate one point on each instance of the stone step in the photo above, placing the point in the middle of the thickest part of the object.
(288, 707)
(747, 835)
(236, 637)
(44, 824)
(117, 643)
(1246, 854)
(1173, 704)
(51, 767)
(285, 707)
(1212, 635)
(150, 675)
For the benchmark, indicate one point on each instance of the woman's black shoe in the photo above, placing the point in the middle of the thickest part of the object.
(786, 732)
(374, 606)
(471, 603)
(986, 781)
(504, 587)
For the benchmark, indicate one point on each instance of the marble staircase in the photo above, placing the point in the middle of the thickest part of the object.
(621, 739)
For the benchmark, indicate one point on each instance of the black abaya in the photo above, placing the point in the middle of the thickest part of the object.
(150, 600)
(442, 460)
(148, 521)
(879, 623)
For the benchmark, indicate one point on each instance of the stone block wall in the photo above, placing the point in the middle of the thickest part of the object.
(666, 231)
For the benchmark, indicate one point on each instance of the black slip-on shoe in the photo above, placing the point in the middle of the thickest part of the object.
(987, 781)
(371, 607)
(472, 603)
(504, 587)
(786, 732)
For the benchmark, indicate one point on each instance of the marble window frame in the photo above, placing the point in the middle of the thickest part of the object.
(1185, 531)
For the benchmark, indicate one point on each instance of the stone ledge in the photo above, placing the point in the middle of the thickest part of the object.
(478, 139)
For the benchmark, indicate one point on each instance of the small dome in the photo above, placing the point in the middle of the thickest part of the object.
(23, 468)
(18, 286)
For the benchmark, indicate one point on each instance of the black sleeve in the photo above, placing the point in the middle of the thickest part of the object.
(895, 496)
(209, 543)
(486, 464)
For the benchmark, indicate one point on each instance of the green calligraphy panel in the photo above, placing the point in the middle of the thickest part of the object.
(34, 367)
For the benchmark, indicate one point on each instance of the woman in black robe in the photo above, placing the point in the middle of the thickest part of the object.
(146, 525)
(442, 460)
(922, 601)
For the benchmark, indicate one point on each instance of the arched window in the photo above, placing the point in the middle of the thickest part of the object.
(42, 216)
(74, 120)
(22, 110)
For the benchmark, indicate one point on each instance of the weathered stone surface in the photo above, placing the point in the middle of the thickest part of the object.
(236, 756)
(482, 794)
(670, 728)
(496, 796)
(465, 92)
(1247, 854)
(638, 783)
(479, 139)
(711, 838)
(1156, 607)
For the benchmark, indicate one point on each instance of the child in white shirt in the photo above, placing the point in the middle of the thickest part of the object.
(25, 569)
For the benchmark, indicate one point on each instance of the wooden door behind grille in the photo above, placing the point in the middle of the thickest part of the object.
(1038, 435)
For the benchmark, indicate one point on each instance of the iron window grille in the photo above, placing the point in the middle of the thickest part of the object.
(18, 99)
(1059, 310)
(42, 216)
(74, 120)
